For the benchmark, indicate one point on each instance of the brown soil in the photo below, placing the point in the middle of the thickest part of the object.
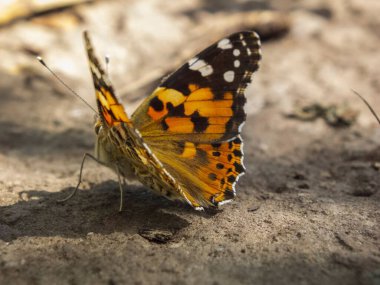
(307, 210)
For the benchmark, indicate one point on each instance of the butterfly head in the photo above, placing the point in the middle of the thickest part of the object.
(97, 125)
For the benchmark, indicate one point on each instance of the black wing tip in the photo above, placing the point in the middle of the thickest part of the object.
(245, 34)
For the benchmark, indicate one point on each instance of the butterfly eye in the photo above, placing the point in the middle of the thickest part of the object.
(97, 127)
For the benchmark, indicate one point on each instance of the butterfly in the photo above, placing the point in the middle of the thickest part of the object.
(183, 141)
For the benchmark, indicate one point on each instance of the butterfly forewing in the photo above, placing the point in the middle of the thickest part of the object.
(192, 121)
(111, 111)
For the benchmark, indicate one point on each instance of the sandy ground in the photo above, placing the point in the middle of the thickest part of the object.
(307, 211)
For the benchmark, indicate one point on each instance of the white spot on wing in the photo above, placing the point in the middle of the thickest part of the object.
(241, 127)
(259, 52)
(236, 63)
(249, 51)
(201, 66)
(196, 64)
(191, 61)
(95, 70)
(236, 52)
(224, 44)
(244, 43)
(206, 70)
(225, 202)
(229, 76)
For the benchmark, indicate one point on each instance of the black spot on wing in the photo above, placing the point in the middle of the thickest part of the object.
(238, 167)
(219, 165)
(237, 140)
(216, 145)
(200, 123)
(164, 125)
(180, 147)
(156, 104)
(201, 156)
(231, 178)
(178, 111)
(229, 194)
(212, 176)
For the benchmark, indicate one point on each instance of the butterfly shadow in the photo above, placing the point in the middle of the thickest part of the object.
(93, 211)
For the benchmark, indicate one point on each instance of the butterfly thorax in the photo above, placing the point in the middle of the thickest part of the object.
(108, 151)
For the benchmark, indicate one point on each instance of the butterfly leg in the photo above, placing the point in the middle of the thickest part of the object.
(121, 189)
(80, 176)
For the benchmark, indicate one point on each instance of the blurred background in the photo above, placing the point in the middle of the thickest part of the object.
(307, 209)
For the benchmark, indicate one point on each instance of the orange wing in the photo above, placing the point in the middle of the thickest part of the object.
(192, 122)
(110, 110)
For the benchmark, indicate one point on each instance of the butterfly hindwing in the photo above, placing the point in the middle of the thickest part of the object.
(192, 121)
(206, 171)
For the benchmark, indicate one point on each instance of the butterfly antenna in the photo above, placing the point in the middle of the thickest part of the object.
(39, 58)
(368, 105)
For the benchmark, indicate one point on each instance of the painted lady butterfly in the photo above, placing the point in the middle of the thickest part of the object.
(184, 140)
